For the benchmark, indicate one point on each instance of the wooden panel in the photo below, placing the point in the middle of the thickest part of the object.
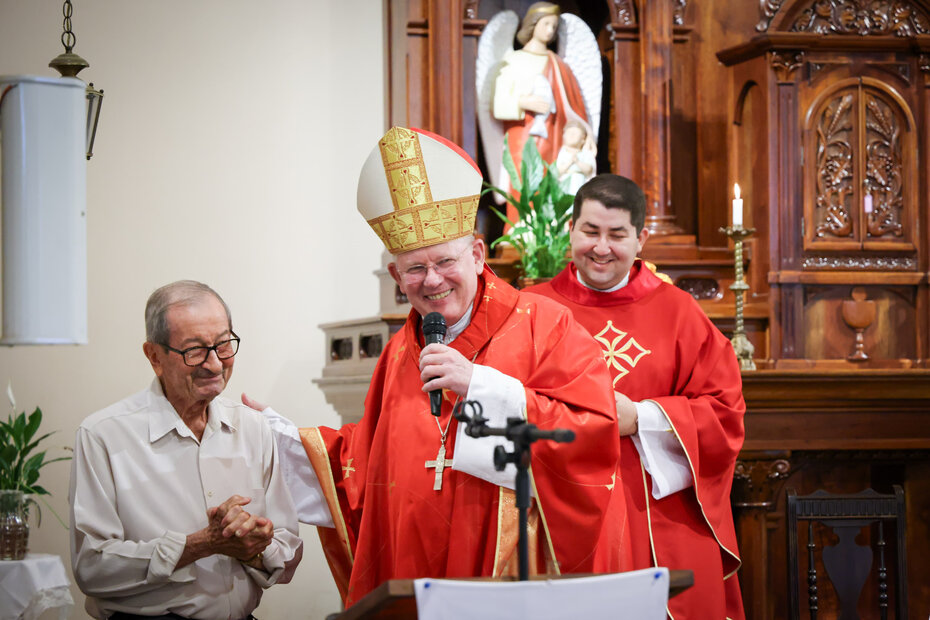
(887, 329)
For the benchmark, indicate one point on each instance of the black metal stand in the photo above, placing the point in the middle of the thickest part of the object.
(522, 434)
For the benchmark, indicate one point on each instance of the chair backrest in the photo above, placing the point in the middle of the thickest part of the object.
(847, 564)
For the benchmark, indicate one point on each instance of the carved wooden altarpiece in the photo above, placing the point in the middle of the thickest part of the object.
(835, 95)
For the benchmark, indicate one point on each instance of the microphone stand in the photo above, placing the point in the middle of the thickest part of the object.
(523, 435)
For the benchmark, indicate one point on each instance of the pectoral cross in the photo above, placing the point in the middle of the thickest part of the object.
(439, 465)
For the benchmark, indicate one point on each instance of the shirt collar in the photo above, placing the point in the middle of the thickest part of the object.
(619, 285)
(453, 332)
(163, 418)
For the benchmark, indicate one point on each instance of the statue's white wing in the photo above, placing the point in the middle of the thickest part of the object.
(578, 48)
(495, 41)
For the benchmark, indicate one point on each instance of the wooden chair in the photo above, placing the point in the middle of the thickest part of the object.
(847, 564)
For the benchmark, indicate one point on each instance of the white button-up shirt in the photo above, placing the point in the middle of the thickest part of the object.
(141, 482)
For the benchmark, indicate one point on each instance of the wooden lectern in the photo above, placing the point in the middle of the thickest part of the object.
(394, 599)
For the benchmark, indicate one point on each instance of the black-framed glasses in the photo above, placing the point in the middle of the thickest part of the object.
(195, 356)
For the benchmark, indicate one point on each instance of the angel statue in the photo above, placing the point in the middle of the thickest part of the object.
(533, 92)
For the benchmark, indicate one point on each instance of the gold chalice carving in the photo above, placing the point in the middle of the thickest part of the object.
(858, 313)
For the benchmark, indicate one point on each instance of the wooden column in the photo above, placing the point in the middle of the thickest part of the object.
(923, 295)
(417, 62)
(445, 68)
(756, 482)
(626, 125)
(656, 35)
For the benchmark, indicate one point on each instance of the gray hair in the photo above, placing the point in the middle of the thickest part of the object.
(183, 292)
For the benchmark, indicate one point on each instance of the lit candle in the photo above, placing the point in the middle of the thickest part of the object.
(737, 207)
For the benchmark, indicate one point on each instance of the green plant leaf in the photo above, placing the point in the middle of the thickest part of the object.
(32, 425)
(490, 188)
(19, 468)
(533, 167)
(511, 168)
(540, 234)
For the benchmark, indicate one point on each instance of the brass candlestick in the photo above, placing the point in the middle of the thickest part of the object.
(741, 344)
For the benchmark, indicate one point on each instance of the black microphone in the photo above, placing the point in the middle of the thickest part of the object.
(434, 330)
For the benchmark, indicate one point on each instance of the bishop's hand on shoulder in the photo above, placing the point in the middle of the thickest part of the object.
(254, 404)
(443, 367)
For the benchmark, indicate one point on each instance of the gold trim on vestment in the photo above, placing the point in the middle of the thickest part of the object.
(507, 552)
(652, 542)
(694, 478)
(552, 562)
(319, 458)
(495, 570)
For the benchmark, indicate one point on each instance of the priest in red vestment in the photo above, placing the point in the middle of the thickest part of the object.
(406, 494)
(679, 397)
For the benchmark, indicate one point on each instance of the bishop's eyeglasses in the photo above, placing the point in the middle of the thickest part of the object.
(444, 267)
(195, 356)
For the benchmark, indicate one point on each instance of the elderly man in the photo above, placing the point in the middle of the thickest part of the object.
(678, 393)
(178, 505)
(406, 493)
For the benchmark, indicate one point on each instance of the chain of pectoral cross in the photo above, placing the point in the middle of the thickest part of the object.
(441, 461)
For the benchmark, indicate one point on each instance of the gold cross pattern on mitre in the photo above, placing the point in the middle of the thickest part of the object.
(417, 189)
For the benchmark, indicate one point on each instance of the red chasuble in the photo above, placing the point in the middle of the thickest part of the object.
(660, 346)
(390, 523)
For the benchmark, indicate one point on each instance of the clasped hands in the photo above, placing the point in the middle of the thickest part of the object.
(234, 532)
(444, 368)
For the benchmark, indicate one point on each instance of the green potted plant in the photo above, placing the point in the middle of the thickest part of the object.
(541, 234)
(20, 464)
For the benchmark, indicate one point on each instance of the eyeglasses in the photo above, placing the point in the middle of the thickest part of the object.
(195, 356)
(443, 267)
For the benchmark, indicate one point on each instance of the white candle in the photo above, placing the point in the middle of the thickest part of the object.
(737, 207)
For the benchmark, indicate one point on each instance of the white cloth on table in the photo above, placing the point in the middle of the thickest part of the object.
(33, 585)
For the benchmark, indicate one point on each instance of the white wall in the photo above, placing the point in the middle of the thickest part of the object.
(230, 141)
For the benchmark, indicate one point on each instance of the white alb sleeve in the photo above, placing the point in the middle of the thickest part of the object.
(660, 451)
(501, 397)
(299, 476)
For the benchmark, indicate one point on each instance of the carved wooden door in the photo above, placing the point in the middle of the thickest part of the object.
(860, 179)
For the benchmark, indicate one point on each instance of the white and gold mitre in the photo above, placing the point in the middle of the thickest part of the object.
(417, 189)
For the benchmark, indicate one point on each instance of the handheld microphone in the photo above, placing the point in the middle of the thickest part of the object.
(434, 330)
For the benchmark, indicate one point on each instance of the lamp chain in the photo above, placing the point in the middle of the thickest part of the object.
(67, 37)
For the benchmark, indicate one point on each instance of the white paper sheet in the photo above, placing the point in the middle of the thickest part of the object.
(641, 594)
